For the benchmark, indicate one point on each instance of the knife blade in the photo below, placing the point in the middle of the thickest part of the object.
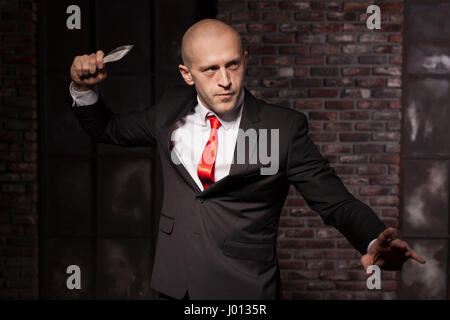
(117, 54)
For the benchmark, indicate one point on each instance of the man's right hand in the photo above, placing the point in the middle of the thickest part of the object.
(88, 70)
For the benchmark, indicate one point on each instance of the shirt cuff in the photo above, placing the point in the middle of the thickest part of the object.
(83, 98)
(371, 242)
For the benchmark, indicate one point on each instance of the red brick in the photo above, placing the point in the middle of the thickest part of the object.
(245, 16)
(300, 233)
(262, 27)
(260, 49)
(279, 83)
(324, 49)
(309, 16)
(336, 148)
(317, 60)
(372, 170)
(324, 93)
(319, 244)
(385, 180)
(279, 16)
(294, 27)
(384, 201)
(355, 71)
(354, 115)
(341, 16)
(280, 60)
(324, 72)
(354, 158)
(339, 82)
(325, 5)
(308, 104)
(262, 72)
(356, 48)
(341, 60)
(372, 105)
(298, 49)
(323, 137)
(371, 83)
(385, 158)
(229, 6)
(294, 6)
(311, 38)
(306, 83)
(323, 115)
(369, 148)
(356, 6)
(346, 137)
(322, 28)
(354, 27)
(338, 126)
(386, 136)
(279, 38)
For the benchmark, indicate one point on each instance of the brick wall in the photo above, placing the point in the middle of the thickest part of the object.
(18, 150)
(320, 58)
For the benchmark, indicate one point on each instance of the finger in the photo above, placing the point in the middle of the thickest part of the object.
(100, 54)
(399, 245)
(366, 261)
(102, 74)
(92, 63)
(85, 65)
(78, 68)
(414, 255)
(386, 236)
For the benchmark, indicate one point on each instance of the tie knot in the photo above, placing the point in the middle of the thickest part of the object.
(215, 123)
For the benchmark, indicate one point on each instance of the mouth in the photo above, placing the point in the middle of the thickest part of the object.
(225, 95)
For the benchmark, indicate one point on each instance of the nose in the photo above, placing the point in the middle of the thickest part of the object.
(224, 80)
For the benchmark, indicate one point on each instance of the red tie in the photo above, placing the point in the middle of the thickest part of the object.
(205, 168)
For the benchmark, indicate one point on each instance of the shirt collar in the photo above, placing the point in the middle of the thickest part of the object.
(226, 120)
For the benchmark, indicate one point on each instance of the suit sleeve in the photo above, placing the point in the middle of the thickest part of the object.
(325, 193)
(130, 129)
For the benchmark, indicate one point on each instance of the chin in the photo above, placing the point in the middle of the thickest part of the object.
(225, 108)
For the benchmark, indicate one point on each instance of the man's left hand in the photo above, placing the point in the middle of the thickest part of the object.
(388, 252)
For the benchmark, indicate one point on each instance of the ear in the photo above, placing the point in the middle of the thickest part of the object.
(186, 74)
(245, 58)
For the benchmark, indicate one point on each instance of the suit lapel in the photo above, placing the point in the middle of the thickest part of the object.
(181, 110)
(250, 119)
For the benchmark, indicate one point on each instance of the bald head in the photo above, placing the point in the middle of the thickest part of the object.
(203, 31)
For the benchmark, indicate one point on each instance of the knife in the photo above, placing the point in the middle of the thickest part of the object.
(117, 54)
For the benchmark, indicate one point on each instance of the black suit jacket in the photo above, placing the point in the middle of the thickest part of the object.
(220, 243)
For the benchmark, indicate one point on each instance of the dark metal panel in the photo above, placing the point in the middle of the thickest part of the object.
(425, 195)
(428, 59)
(63, 131)
(63, 253)
(74, 42)
(428, 21)
(125, 22)
(125, 196)
(426, 115)
(125, 265)
(70, 196)
(425, 281)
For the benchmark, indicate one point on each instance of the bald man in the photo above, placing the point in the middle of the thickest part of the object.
(218, 225)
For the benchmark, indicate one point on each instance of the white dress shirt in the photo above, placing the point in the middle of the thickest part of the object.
(191, 133)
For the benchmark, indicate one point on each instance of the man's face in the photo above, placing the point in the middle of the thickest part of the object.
(217, 67)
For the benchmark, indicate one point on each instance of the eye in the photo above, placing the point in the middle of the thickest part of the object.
(210, 69)
(234, 65)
